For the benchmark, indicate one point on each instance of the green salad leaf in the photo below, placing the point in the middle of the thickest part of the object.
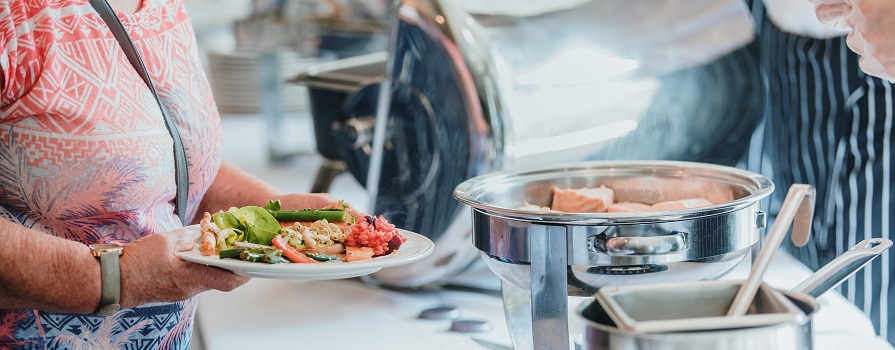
(260, 225)
(272, 205)
(250, 224)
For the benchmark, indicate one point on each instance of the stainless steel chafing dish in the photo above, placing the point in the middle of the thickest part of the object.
(550, 255)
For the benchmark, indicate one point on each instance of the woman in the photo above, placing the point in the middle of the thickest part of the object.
(86, 158)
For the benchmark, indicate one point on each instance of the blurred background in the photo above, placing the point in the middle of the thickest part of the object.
(250, 47)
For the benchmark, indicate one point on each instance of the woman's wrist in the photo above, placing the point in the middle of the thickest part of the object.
(62, 264)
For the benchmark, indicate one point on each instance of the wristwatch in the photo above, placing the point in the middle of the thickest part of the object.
(111, 277)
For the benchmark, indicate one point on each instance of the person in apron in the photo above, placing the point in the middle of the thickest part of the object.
(828, 124)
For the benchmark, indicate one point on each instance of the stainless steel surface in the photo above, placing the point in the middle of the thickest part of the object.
(467, 92)
(546, 256)
(602, 334)
(692, 306)
(798, 205)
(841, 268)
(618, 248)
(549, 302)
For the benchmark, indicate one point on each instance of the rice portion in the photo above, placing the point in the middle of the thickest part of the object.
(376, 233)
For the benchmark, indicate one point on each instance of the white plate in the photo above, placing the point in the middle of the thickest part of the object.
(415, 248)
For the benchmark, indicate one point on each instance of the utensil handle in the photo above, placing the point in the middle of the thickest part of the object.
(651, 245)
(840, 269)
(799, 206)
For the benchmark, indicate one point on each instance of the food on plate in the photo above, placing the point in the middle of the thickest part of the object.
(583, 200)
(602, 199)
(271, 235)
(377, 233)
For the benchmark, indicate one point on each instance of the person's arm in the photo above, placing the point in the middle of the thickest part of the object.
(40, 271)
(234, 187)
(872, 35)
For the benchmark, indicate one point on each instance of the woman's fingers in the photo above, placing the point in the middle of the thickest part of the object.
(217, 279)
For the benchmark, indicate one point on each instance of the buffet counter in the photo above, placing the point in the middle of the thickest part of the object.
(348, 314)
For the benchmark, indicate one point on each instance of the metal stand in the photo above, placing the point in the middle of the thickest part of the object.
(538, 317)
(326, 173)
(549, 289)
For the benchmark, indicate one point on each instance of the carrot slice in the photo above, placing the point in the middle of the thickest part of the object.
(290, 253)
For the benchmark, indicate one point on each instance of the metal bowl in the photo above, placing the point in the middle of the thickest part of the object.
(607, 249)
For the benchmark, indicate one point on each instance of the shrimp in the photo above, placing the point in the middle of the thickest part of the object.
(308, 237)
(208, 236)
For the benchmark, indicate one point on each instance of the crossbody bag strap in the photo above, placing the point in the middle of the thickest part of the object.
(180, 167)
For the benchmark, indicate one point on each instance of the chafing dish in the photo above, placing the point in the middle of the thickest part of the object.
(551, 255)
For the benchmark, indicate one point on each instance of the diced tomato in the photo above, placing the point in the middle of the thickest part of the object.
(290, 253)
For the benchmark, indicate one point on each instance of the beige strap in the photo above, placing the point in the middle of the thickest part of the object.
(110, 298)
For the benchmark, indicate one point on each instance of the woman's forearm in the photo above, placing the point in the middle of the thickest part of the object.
(41, 271)
(234, 187)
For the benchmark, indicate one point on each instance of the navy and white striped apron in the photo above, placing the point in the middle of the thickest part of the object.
(830, 125)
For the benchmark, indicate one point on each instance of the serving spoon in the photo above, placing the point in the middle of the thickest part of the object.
(798, 206)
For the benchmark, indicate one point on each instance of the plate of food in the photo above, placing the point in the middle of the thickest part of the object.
(307, 244)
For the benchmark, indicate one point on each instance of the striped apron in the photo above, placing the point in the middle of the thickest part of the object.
(830, 125)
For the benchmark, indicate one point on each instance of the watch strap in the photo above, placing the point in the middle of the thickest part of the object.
(110, 298)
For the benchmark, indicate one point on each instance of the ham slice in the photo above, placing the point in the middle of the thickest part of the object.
(629, 207)
(682, 204)
(583, 200)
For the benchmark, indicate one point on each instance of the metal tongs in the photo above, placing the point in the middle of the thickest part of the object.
(798, 206)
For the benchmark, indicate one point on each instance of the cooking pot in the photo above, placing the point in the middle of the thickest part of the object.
(601, 333)
(611, 249)
(542, 257)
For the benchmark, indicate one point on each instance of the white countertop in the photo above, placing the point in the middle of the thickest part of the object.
(347, 314)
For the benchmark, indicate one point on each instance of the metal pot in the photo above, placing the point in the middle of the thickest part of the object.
(543, 257)
(601, 333)
(603, 249)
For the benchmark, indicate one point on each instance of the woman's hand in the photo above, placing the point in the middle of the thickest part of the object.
(872, 24)
(151, 271)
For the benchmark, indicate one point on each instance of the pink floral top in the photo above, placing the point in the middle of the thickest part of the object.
(85, 154)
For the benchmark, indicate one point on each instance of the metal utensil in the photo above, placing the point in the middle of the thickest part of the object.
(840, 269)
(692, 306)
(799, 205)
(603, 334)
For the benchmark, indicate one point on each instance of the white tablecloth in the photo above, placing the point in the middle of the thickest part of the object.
(269, 314)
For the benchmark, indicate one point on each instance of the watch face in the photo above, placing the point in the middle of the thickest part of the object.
(99, 249)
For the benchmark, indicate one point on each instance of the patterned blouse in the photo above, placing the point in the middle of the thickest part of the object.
(85, 154)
